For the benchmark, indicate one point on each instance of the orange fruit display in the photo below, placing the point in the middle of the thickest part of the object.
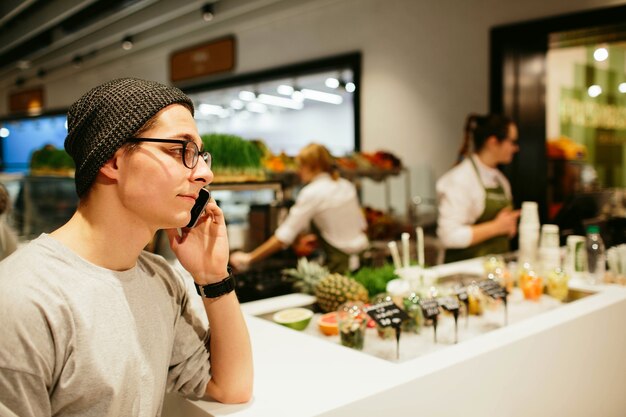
(327, 324)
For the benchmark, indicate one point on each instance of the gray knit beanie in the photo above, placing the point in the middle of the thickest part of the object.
(101, 121)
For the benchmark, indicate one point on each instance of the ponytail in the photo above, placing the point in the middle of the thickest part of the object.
(468, 133)
(480, 128)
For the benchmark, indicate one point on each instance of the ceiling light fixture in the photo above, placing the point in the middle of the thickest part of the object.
(4, 132)
(600, 54)
(321, 96)
(127, 43)
(208, 12)
(236, 104)
(285, 90)
(280, 102)
(332, 82)
(594, 90)
(77, 61)
(255, 107)
(350, 87)
(41, 72)
(622, 87)
(247, 95)
(212, 109)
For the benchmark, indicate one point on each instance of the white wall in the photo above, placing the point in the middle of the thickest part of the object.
(425, 66)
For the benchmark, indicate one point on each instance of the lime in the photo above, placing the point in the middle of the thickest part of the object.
(296, 318)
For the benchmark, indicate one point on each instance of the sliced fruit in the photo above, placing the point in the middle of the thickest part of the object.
(327, 324)
(295, 318)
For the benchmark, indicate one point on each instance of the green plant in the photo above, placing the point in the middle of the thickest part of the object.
(375, 279)
(231, 151)
(49, 157)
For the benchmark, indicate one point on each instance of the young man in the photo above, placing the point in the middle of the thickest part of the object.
(91, 324)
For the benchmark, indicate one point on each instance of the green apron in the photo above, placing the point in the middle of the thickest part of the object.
(337, 261)
(495, 200)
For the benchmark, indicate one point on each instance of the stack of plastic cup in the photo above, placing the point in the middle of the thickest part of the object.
(549, 252)
(528, 232)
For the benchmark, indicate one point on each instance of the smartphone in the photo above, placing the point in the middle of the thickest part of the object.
(198, 207)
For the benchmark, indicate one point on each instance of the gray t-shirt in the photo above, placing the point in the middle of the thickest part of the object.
(80, 340)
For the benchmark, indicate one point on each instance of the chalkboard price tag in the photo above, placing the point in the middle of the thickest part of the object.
(450, 304)
(492, 289)
(461, 294)
(387, 314)
(430, 308)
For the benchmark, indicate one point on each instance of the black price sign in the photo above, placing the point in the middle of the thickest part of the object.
(492, 289)
(430, 308)
(450, 304)
(461, 294)
(387, 314)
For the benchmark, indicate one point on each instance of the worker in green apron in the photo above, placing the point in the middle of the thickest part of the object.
(328, 205)
(475, 206)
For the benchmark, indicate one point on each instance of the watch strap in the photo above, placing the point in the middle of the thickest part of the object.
(217, 289)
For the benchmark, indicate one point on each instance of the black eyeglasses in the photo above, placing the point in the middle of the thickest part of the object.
(189, 154)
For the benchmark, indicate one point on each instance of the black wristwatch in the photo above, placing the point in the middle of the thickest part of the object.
(217, 289)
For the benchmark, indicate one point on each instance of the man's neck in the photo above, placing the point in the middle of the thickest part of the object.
(103, 239)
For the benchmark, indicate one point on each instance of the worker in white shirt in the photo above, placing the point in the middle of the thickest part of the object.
(327, 203)
(476, 216)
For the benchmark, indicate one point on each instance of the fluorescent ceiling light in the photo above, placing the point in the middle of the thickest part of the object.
(247, 95)
(332, 82)
(297, 96)
(212, 109)
(285, 90)
(280, 101)
(236, 104)
(255, 107)
(321, 96)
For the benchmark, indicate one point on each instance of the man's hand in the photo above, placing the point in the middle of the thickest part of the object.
(203, 250)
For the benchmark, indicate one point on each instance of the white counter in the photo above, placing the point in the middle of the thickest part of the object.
(568, 361)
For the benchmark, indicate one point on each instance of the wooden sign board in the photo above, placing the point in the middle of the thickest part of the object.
(28, 101)
(199, 61)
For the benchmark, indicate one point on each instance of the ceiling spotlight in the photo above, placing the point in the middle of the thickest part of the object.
(350, 87)
(19, 81)
(600, 54)
(622, 87)
(41, 72)
(594, 90)
(207, 12)
(77, 61)
(127, 43)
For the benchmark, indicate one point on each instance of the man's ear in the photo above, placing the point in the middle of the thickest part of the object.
(110, 169)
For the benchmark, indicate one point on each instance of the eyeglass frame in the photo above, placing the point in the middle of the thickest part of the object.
(206, 156)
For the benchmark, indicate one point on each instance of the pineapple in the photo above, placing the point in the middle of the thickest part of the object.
(307, 275)
(335, 289)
